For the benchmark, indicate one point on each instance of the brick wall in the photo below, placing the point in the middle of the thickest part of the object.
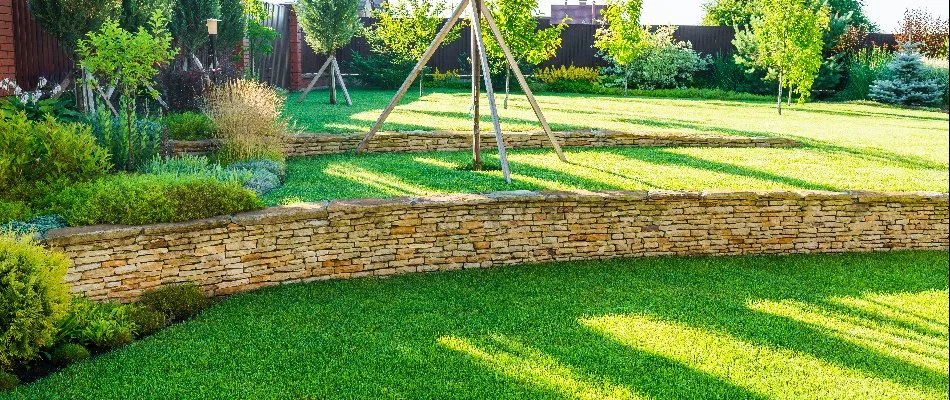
(295, 40)
(378, 237)
(401, 142)
(7, 49)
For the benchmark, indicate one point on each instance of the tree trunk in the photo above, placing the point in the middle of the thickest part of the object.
(88, 96)
(781, 83)
(507, 86)
(789, 95)
(626, 79)
(421, 80)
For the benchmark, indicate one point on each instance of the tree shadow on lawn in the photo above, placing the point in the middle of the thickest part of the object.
(870, 154)
(545, 331)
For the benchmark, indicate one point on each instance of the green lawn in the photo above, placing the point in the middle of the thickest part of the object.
(847, 147)
(856, 326)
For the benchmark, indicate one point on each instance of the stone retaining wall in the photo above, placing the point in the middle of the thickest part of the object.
(314, 144)
(354, 238)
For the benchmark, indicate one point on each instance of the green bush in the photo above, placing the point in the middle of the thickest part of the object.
(189, 126)
(664, 64)
(723, 73)
(149, 199)
(864, 67)
(104, 325)
(13, 211)
(40, 224)
(37, 155)
(33, 296)
(375, 71)
(69, 353)
(194, 166)
(8, 381)
(265, 175)
(129, 150)
(907, 82)
(938, 71)
(176, 302)
(147, 320)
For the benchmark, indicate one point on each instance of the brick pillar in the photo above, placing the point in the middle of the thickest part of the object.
(7, 48)
(296, 48)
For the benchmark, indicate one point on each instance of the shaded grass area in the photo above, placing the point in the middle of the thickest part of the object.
(393, 175)
(862, 130)
(853, 326)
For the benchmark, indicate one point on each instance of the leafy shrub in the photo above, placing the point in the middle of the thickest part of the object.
(249, 119)
(864, 67)
(938, 71)
(189, 126)
(194, 166)
(183, 89)
(69, 353)
(113, 134)
(569, 79)
(906, 83)
(13, 211)
(147, 321)
(379, 72)
(8, 381)
(104, 325)
(664, 63)
(36, 155)
(265, 175)
(39, 224)
(176, 302)
(450, 79)
(148, 199)
(38, 103)
(34, 296)
(724, 73)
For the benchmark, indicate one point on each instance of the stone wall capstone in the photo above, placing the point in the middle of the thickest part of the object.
(378, 237)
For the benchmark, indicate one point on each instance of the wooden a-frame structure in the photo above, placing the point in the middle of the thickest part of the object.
(479, 11)
(335, 77)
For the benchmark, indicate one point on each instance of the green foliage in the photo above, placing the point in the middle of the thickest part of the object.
(137, 14)
(8, 381)
(69, 353)
(13, 211)
(147, 321)
(250, 121)
(149, 199)
(35, 155)
(189, 126)
(404, 28)
(569, 79)
(70, 20)
(328, 24)
(736, 13)
(906, 83)
(724, 73)
(104, 325)
(176, 302)
(937, 70)
(518, 22)
(233, 25)
(37, 110)
(376, 71)
(131, 143)
(788, 43)
(194, 166)
(864, 67)
(33, 296)
(35, 225)
(622, 39)
(664, 63)
(188, 24)
(265, 175)
(259, 36)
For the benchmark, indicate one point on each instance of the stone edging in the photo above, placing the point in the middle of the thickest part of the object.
(378, 237)
(313, 144)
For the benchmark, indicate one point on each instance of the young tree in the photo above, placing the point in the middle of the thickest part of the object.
(404, 29)
(328, 25)
(621, 37)
(728, 12)
(518, 23)
(927, 31)
(130, 59)
(788, 43)
(906, 83)
(188, 26)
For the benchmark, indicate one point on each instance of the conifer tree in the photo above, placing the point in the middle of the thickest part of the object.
(906, 83)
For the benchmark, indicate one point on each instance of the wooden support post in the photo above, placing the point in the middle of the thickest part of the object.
(339, 77)
(522, 81)
(332, 82)
(490, 92)
(412, 76)
(315, 79)
(476, 107)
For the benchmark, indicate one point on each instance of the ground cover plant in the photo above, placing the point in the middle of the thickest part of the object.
(861, 326)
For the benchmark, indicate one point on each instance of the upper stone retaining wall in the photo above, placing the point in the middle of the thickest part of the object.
(314, 144)
(353, 238)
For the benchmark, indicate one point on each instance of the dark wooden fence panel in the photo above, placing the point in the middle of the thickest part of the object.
(38, 55)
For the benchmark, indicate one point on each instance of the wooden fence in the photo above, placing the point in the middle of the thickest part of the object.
(37, 54)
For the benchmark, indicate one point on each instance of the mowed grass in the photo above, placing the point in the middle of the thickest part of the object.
(846, 147)
(853, 326)
(864, 130)
(392, 175)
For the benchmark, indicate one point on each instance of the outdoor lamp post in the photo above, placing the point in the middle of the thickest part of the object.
(213, 35)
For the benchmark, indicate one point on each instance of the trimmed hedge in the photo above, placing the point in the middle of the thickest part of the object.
(150, 199)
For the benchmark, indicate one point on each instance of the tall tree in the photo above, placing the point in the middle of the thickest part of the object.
(70, 20)
(137, 13)
(621, 37)
(328, 25)
(404, 29)
(188, 25)
(233, 24)
(788, 43)
(517, 21)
